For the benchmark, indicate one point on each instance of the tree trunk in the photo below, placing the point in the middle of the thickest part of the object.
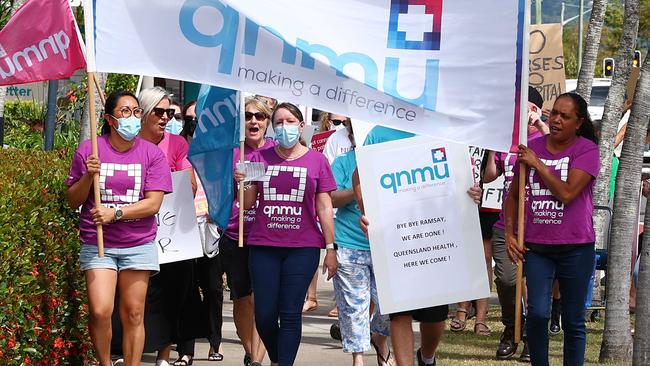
(592, 42)
(639, 116)
(84, 133)
(585, 81)
(617, 340)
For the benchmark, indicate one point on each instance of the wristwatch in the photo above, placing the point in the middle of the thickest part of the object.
(118, 214)
(331, 246)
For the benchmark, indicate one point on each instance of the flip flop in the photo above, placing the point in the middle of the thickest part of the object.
(456, 324)
(381, 360)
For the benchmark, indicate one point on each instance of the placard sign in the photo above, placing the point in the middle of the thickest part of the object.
(178, 232)
(319, 140)
(493, 192)
(424, 229)
(547, 61)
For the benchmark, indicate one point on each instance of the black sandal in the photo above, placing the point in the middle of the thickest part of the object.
(381, 361)
(181, 361)
(215, 356)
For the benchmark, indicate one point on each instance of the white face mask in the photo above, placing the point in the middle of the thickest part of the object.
(174, 126)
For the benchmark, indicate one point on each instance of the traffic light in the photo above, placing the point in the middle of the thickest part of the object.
(636, 61)
(608, 67)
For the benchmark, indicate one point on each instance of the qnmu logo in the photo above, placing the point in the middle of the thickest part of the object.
(436, 171)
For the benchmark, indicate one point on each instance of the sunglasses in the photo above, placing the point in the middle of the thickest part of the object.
(158, 112)
(178, 117)
(258, 116)
(190, 119)
(337, 122)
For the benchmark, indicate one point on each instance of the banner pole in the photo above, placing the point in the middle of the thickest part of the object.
(91, 67)
(523, 139)
(242, 138)
(102, 96)
(93, 140)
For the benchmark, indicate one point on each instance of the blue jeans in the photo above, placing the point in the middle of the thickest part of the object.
(573, 270)
(280, 277)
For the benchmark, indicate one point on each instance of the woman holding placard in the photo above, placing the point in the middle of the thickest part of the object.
(133, 177)
(559, 237)
(285, 238)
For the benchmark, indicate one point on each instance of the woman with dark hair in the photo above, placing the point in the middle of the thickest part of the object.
(189, 120)
(129, 203)
(561, 169)
(285, 239)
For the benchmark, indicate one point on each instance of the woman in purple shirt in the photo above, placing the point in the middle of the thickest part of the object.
(285, 239)
(133, 177)
(559, 236)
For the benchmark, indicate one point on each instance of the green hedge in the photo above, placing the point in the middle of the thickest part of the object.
(42, 292)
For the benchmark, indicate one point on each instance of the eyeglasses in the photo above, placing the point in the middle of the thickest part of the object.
(158, 112)
(258, 116)
(127, 112)
(337, 122)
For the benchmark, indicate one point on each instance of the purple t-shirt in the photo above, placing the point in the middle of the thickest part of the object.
(286, 210)
(124, 178)
(505, 163)
(548, 220)
(232, 231)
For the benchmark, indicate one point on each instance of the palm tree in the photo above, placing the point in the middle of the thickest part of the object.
(592, 42)
(617, 340)
(585, 80)
(639, 121)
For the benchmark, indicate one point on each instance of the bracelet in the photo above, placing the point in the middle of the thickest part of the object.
(331, 246)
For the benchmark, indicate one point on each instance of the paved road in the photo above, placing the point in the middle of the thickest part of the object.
(317, 348)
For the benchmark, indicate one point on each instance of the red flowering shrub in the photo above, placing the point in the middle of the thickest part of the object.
(42, 292)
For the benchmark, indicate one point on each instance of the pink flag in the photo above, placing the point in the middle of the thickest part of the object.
(40, 43)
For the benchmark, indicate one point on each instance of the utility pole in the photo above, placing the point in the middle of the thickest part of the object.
(581, 26)
(538, 11)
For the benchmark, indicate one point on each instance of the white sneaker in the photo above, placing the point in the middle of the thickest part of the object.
(118, 362)
(162, 363)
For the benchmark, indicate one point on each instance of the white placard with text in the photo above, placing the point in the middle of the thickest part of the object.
(178, 231)
(424, 228)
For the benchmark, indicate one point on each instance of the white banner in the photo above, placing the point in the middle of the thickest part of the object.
(424, 229)
(411, 64)
(178, 232)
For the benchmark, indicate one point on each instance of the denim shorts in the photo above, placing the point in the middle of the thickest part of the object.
(142, 257)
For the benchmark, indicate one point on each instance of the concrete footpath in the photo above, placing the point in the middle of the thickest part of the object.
(317, 348)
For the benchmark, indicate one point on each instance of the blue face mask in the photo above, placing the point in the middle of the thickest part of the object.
(287, 135)
(128, 127)
(174, 126)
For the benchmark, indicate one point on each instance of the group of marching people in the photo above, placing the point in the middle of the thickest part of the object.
(289, 219)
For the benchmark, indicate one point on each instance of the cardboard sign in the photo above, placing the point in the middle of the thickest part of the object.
(178, 231)
(319, 140)
(424, 229)
(631, 83)
(547, 61)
